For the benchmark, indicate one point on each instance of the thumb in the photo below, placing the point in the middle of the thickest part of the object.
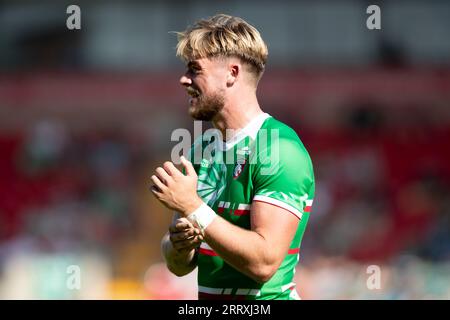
(187, 166)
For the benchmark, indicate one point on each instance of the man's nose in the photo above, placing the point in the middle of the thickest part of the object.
(185, 81)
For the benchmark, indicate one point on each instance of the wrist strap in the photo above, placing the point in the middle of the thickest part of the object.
(202, 216)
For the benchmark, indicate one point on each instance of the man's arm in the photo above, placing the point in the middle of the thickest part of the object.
(179, 246)
(258, 252)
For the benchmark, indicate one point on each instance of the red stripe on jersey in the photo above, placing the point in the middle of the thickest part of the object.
(307, 209)
(220, 210)
(294, 251)
(207, 252)
(238, 212)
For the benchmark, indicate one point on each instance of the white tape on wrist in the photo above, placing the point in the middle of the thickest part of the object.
(202, 216)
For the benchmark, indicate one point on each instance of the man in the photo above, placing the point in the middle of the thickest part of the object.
(240, 221)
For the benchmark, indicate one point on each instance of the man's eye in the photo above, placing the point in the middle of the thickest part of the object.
(193, 70)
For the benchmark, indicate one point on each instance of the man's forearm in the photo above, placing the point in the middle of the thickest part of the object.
(179, 263)
(245, 250)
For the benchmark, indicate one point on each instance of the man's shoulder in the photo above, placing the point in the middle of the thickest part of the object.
(273, 128)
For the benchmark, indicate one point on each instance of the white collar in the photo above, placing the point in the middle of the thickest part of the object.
(251, 129)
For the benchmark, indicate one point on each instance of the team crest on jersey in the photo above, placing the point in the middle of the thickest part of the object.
(238, 169)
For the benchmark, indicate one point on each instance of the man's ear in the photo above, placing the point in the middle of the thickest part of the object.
(234, 70)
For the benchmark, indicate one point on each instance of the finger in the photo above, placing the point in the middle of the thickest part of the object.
(197, 241)
(158, 183)
(182, 236)
(162, 175)
(183, 223)
(187, 166)
(171, 169)
(180, 226)
(187, 244)
(183, 219)
(155, 190)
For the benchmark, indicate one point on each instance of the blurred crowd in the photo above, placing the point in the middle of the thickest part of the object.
(382, 190)
(64, 193)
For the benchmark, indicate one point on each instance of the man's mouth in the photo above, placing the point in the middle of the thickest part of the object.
(192, 92)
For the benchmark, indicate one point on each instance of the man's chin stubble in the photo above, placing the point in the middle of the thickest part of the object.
(202, 115)
(207, 110)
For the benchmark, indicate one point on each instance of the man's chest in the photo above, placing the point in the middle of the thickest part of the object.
(227, 187)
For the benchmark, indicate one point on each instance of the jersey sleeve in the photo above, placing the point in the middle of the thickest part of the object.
(283, 176)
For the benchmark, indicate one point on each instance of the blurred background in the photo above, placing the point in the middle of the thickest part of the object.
(86, 116)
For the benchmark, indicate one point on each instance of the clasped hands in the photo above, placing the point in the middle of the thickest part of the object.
(178, 191)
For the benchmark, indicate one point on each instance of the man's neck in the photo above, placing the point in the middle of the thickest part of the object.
(235, 118)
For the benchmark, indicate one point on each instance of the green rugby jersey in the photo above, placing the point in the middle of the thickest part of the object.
(265, 161)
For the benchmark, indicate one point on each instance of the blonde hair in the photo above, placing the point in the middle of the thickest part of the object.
(223, 36)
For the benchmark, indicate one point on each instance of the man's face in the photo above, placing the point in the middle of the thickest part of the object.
(205, 82)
